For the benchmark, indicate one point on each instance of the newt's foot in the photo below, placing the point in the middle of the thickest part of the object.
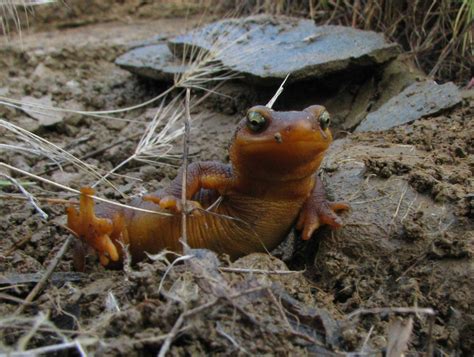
(94, 231)
(172, 203)
(313, 215)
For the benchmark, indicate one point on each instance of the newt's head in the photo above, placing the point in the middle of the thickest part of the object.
(273, 145)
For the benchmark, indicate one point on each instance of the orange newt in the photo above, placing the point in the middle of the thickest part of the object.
(269, 185)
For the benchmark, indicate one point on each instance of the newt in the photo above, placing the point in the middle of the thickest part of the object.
(269, 186)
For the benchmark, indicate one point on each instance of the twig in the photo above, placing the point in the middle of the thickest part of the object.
(168, 269)
(53, 201)
(259, 271)
(394, 216)
(41, 284)
(280, 309)
(14, 299)
(49, 349)
(177, 325)
(184, 213)
(366, 340)
(221, 332)
(387, 310)
(15, 279)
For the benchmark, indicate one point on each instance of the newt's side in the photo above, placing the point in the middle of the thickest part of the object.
(269, 186)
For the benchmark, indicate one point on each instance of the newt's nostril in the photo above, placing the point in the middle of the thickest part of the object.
(278, 138)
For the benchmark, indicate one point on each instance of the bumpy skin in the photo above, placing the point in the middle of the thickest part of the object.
(269, 185)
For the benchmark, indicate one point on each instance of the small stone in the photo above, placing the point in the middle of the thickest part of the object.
(415, 102)
(34, 107)
(66, 178)
(74, 87)
(115, 124)
(28, 123)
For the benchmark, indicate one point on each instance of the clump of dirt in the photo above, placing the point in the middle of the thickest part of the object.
(447, 168)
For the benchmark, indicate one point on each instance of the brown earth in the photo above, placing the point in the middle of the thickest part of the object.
(407, 242)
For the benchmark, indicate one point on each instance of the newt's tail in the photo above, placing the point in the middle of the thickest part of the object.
(96, 232)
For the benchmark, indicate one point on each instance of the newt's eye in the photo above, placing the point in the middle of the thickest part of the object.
(324, 120)
(255, 121)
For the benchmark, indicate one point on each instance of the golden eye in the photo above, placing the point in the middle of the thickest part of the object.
(255, 121)
(324, 120)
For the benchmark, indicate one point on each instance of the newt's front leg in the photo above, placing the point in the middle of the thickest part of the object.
(317, 211)
(201, 175)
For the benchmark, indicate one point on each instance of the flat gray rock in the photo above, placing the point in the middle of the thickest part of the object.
(154, 61)
(415, 102)
(264, 49)
(268, 47)
(35, 108)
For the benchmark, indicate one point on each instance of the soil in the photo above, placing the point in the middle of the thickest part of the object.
(424, 261)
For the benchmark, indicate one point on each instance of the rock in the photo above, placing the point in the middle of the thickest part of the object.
(155, 61)
(264, 49)
(416, 101)
(72, 118)
(45, 117)
(74, 87)
(267, 48)
(43, 72)
(116, 124)
(28, 123)
(66, 178)
(390, 81)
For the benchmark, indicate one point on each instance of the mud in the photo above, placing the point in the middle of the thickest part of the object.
(408, 240)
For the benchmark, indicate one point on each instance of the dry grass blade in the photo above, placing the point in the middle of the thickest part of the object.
(158, 138)
(101, 114)
(187, 128)
(36, 145)
(277, 94)
(9, 13)
(29, 196)
(66, 188)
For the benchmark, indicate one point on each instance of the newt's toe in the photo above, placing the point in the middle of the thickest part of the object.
(94, 231)
(318, 213)
(173, 203)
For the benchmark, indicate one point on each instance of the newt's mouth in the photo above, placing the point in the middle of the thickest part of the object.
(289, 142)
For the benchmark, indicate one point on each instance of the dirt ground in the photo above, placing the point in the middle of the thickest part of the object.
(199, 306)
